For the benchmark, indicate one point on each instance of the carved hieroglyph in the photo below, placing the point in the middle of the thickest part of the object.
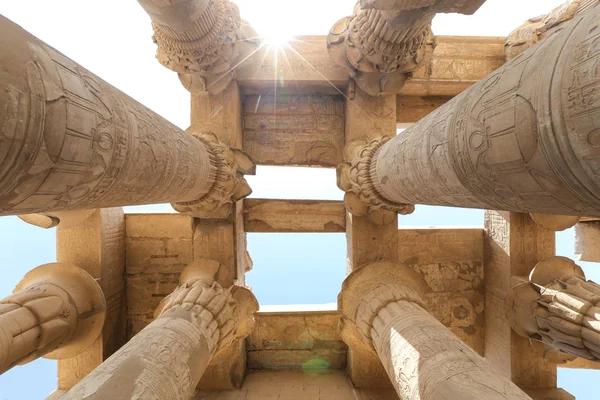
(206, 38)
(510, 142)
(383, 42)
(382, 310)
(557, 306)
(57, 311)
(68, 140)
(167, 359)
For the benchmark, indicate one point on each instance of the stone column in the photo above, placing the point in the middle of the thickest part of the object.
(166, 360)
(557, 306)
(69, 140)
(383, 42)
(57, 311)
(205, 41)
(382, 309)
(525, 139)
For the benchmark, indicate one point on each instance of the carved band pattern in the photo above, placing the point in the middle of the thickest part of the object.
(210, 307)
(71, 141)
(356, 179)
(210, 42)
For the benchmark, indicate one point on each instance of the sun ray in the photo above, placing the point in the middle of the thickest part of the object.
(331, 83)
(237, 65)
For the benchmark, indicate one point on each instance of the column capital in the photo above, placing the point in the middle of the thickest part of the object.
(384, 41)
(369, 290)
(205, 41)
(227, 167)
(557, 306)
(225, 314)
(354, 178)
(57, 311)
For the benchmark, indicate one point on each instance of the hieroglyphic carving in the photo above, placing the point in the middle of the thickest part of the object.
(71, 141)
(305, 130)
(382, 43)
(57, 311)
(354, 177)
(202, 37)
(509, 142)
(383, 309)
(166, 360)
(558, 307)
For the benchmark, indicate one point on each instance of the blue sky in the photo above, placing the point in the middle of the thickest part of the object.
(112, 39)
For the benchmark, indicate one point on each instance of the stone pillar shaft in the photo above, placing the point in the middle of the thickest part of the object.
(426, 361)
(69, 140)
(382, 311)
(524, 139)
(57, 311)
(167, 359)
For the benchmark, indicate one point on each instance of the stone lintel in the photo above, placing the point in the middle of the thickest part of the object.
(307, 341)
(306, 216)
(453, 65)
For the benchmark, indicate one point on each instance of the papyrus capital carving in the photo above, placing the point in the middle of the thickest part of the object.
(354, 178)
(167, 359)
(384, 41)
(227, 167)
(206, 38)
(368, 290)
(226, 314)
(556, 305)
(57, 311)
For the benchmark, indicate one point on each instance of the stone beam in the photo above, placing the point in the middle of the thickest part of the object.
(451, 65)
(298, 129)
(308, 216)
(410, 109)
(383, 311)
(166, 360)
(57, 311)
(71, 141)
(97, 244)
(501, 144)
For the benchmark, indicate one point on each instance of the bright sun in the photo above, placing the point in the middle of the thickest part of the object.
(275, 33)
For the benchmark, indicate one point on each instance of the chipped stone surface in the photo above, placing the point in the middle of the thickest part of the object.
(451, 262)
(296, 340)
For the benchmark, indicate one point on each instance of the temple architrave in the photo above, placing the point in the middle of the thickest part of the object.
(155, 306)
